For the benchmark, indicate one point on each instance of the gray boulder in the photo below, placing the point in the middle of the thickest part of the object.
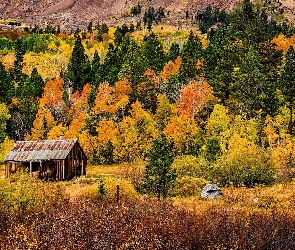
(211, 191)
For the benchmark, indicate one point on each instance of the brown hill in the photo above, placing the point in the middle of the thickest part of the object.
(78, 13)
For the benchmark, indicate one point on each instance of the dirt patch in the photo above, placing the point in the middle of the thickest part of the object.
(62, 6)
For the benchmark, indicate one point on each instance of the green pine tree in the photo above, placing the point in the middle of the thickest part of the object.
(255, 82)
(36, 85)
(287, 83)
(96, 73)
(159, 177)
(6, 85)
(79, 67)
(190, 54)
(221, 56)
(213, 149)
(132, 67)
(173, 53)
(17, 74)
(102, 190)
(153, 56)
(112, 65)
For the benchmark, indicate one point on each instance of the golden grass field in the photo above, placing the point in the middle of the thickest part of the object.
(278, 196)
(232, 221)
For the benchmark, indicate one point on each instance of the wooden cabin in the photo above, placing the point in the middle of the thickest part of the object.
(48, 159)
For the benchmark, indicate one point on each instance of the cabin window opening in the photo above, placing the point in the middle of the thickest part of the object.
(35, 166)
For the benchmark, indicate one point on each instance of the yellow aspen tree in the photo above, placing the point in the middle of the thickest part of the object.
(88, 143)
(76, 127)
(185, 133)
(56, 132)
(126, 144)
(165, 111)
(43, 123)
(218, 121)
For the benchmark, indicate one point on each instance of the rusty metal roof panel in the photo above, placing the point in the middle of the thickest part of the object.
(40, 150)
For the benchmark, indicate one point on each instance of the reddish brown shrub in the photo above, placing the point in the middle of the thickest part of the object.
(145, 224)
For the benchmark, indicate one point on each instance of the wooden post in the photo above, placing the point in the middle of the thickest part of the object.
(6, 169)
(118, 193)
(64, 170)
(82, 169)
(31, 167)
(9, 166)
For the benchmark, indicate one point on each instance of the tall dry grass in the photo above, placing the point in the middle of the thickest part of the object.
(53, 221)
(145, 224)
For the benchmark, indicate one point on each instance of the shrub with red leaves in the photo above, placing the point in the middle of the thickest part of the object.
(144, 224)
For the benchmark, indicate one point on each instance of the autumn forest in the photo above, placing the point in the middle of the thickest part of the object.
(210, 103)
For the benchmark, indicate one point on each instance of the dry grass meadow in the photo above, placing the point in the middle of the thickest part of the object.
(72, 215)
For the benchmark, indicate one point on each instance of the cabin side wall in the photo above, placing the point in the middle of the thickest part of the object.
(75, 162)
(55, 169)
(11, 167)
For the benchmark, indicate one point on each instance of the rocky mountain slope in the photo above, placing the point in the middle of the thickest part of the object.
(78, 13)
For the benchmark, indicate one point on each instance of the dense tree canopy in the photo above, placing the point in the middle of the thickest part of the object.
(117, 89)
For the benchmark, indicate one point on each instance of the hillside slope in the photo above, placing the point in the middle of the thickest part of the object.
(77, 13)
(69, 12)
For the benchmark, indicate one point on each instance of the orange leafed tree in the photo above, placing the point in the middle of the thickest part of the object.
(111, 99)
(53, 92)
(171, 68)
(122, 90)
(107, 131)
(76, 127)
(283, 43)
(52, 99)
(79, 103)
(104, 99)
(194, 97)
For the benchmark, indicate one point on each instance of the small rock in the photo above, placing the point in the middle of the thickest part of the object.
(211, 191)
(255, 200)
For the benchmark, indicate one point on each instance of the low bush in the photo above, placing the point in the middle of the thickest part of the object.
(189, 165)
(126, 190)
(134, 173)
(188, 186)
(21, 192)
(245, 170)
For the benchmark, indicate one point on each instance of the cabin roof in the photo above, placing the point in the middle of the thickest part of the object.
(26, 151)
